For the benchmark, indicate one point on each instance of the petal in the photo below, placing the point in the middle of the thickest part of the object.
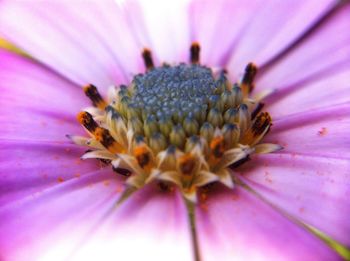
(314, 94)
(31, 167)
(322, 132)
(167, 27)
(150, 224)
(217, 26)
(85, 224)
(84, 41)
(324, 53)
(313, 189)
(233, 224)
(266, 35)
(36, 103)
(66, 211)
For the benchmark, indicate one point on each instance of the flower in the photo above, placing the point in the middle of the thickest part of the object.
(53, 206)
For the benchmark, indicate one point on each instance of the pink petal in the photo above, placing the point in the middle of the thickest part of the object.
(85, 225)
(218, 25)
(167, 27)
(85, 41)
(152, 224)
(313, 189)
(323, 54)
(28, 228)
(322, 132)
(36, 104)
(273, 27)
(324, 91)
(235, 225)
(31, 167)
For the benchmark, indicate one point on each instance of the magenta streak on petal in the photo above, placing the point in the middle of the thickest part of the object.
(321, 132)
(36, 103)
(313, 189)
(236, 225)
(325, 48)
(31, 167)
(63, 212)
(266, 36)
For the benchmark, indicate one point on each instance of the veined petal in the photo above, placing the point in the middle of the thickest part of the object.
(266, 34)
(313, 189)
(315, 94)
(36, 103)
(27, 168)
(321, 132)
(75, 32)
(312, 61)
(151, 223)
(167, 28)
(207, 19)
(234, 224)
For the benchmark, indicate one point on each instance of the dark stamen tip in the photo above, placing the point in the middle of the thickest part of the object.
(257, 109)
(92, 93)
(249, 74)
(194, 53)
(147, 59)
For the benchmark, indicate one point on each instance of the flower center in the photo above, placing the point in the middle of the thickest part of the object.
(184, 124)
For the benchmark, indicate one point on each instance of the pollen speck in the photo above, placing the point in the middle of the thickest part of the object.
(322, 132)
(60, 179)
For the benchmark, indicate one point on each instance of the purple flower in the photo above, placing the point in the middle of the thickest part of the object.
(54, 206)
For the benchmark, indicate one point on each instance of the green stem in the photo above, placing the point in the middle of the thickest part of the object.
(191, 216)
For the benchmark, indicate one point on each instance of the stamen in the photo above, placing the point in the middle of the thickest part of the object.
(143, 156)
(186, 164)
(104, 137)
(122, 171)
(257, 109)
(194, 53)
(96, 98)
(147, 59)
(248, 78)
(260, 127)
(85, 119)
(217, 146)
(262, 122)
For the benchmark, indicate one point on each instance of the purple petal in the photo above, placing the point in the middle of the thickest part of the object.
(322, 132)
(85, 41)
(36, 104)
(313, 189)
(31, 167)
(273, 27)
(236, 225)
(217, 26)
(77, 225)
(323, 54)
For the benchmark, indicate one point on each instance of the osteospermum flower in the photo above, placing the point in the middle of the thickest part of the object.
(216, 131)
